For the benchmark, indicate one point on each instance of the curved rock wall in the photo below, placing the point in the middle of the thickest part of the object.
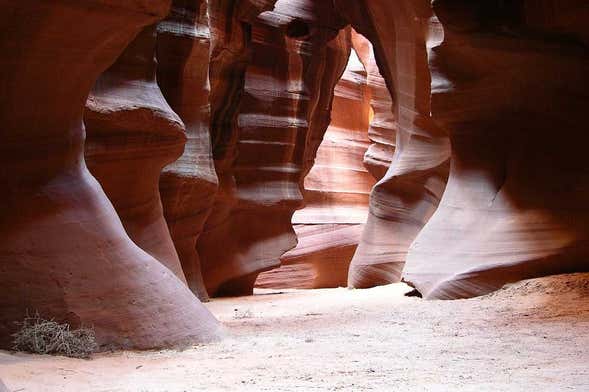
(408, 194)
(230, 26)
(512, 209)
(131, 135)
(383, 124)
(64, 251)
(499, 221)
(336, 191)
(288, 73)
(512, 95)
(188, 186)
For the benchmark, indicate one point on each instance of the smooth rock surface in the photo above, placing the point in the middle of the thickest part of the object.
(512, 97)
(132, 133)
(188, 186)
(383, 125)
(288, 61)
(336, 191)
(320, 259)
(408, 194)
(64, 251)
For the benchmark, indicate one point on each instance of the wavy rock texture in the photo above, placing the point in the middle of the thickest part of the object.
(510, 87)
(131, 135)
(64, 251)
(383, 125)
(188, 186)
(408, 194)
(230, 31)
(336, 192)
(288, 60)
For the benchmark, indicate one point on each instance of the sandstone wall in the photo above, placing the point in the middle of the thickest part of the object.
(64, 250)
(336, 191)
(289, 60)
(499, 81)
(511, 95)
(188, 186)
(409, 192)
(132, 133)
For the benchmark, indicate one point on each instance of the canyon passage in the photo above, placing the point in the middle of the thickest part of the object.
(294, 195)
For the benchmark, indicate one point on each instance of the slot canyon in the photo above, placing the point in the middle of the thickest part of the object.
(294, 195)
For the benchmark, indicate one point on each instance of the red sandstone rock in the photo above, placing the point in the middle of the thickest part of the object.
(337, 186)
(503, 81)
(408, 194)
(188, 186)
(260, 146)
(320, 259)
(383, 125)
(64, 251)
(335, 195)
(229, 24)
(500, 219)
(512, 97)
(558, 18)
(131, 135)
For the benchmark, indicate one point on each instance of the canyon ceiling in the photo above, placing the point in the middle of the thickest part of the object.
(156, 152)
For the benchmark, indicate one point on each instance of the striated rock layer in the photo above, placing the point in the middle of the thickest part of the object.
(320, 259)
(483, 74)
(409, 192)
(230, 30)
(287, 60)
(64, 251)
(383, 125)
(509, 84)
(335, 194)
(131, 135)
(188, 186)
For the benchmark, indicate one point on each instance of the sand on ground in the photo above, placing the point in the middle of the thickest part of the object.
(531, 336)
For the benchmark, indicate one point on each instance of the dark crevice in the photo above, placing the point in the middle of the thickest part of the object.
(297, 29)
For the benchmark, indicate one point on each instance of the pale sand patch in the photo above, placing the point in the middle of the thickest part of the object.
(532, 336)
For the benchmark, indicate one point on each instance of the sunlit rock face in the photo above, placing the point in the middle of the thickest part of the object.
(188, 186)
(284, 65)
(407, 195)
(509, 85)
(499, 79)
(131, 135)
(336, 191)
(65, 252)
(383, 124)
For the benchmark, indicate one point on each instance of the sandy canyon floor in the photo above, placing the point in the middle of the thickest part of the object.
(531, 336)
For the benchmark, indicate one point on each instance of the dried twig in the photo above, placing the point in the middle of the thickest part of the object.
(40, 336)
